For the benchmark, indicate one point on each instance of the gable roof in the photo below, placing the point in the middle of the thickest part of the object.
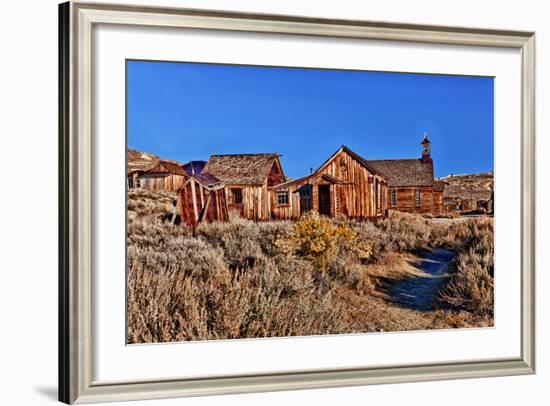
(241, 169)
(167, 167)
(405, 172)
(326, 176)
(354, 155)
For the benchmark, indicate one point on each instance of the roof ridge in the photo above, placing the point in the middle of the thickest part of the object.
(394, 159)
(249, 154)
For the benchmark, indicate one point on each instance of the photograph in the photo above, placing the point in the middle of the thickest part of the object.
(272, 201)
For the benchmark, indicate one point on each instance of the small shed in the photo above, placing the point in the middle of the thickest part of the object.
(167, 176)
(133, 179)
(201, 199)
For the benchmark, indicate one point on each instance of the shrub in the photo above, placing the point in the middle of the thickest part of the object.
(377, 238)
(246, 279)
(243, 241)
(146, 203)
(454, 214)
(471, 286)
(405, 232)
(320, 241)
(194, 296)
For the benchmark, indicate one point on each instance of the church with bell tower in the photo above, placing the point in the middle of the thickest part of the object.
(411, 184)
(426, 158)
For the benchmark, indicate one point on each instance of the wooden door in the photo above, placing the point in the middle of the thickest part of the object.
(324, 200)
(306, 198)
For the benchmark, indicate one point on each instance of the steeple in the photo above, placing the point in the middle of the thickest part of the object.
(426, 150)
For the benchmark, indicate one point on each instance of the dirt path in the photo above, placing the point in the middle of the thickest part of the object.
(418, 291)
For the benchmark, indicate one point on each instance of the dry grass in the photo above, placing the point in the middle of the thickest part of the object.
(244, 279)
(471, 286)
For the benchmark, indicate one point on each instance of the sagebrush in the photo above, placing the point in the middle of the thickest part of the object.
(312, 277)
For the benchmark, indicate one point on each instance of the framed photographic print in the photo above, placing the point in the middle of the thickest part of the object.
(263, 202)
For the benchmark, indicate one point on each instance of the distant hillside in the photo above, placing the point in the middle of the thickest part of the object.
(140, 160)
(143, 160)
(473, 186)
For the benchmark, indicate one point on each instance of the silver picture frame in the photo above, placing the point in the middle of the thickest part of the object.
(76, 21)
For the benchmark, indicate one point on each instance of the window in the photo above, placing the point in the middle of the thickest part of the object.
(282, 197)
(393, 198)
(305, 191)
(138, 182)
(237, 196)
(417, 197)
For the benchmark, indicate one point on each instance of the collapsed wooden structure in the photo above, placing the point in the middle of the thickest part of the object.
(201, 199)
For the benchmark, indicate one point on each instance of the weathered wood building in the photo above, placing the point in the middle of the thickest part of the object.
(411, 185)
(255, 186)
(133, 178)
(163, 176)
(201, 199)
(344, 185)
(246, 179)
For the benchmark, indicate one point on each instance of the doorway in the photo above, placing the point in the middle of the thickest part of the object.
(324, 200)
(306, 198)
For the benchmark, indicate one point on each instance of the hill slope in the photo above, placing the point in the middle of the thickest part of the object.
(140, 160)
(472, 186)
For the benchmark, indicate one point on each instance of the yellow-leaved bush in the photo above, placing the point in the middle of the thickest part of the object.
(319, 240)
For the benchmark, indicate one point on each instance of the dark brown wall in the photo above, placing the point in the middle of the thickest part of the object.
(275, 176)
(430, 201)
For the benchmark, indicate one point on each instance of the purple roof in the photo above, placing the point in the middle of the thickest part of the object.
(194, 167)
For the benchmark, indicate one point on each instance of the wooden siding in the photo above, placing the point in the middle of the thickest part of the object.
(256, 203)
(438, 202)
(198, 203)
(167, 182)
(133, 180)
(351, 190)
(430, 200)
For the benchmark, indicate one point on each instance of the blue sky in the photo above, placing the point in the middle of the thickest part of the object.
(187, 111)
